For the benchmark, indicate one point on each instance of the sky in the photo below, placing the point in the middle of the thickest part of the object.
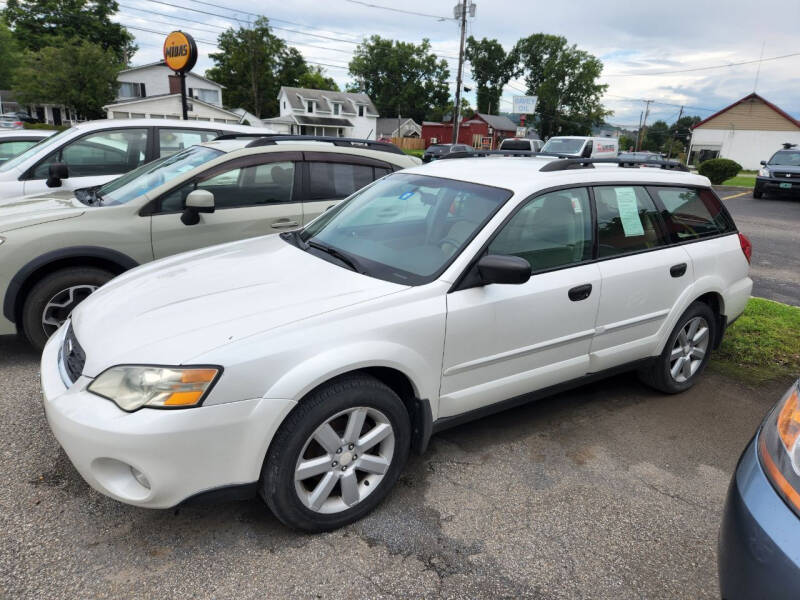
(653, 51)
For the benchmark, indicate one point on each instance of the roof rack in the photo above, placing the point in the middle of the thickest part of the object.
(566, 162)
(240, 136)
(269, 140)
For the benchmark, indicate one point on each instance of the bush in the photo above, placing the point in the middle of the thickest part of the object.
(719, 170)
(47, 126)
(417, 153)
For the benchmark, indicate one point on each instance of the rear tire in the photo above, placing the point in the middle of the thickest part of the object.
(314, 485)
(686, 352)
(54, 297)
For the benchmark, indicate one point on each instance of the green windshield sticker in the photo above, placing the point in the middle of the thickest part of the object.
(629, 211)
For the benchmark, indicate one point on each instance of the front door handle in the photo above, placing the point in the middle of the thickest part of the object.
(678, 270)
(581, 292)
(284, 224)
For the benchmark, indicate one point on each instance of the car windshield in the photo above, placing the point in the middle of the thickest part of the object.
(438, 148)
(563, 146)
(150, 176)
(48, 141)
(405, 228)
(786, 159)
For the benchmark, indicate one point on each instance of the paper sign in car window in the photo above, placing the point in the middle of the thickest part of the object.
(629, 211)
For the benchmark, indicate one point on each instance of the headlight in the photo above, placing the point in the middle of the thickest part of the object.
(779, 447)
(133, 386)
(764, 172)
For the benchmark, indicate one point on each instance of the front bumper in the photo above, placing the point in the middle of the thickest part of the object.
(759, 542)
(774, 184)
(180, 452)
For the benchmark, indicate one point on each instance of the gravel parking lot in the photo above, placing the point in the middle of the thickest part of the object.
(609, 491)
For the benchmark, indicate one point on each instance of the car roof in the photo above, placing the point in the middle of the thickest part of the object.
(29, 133)
(173, 123)
(522, 175)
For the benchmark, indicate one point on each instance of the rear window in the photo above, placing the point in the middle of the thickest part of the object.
(692, 213)
(515, 145)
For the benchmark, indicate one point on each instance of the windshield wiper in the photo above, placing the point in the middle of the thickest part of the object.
(338, 254)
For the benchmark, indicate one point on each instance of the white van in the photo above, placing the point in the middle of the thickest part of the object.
(582, 146)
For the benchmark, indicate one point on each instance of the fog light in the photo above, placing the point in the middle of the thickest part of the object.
(139, 476)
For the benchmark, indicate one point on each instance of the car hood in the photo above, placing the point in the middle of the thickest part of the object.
(172, 310)
(24, 212)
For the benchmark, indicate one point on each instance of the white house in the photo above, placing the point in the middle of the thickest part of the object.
(153, 90)
(748, 131)
(54, 114)
(321, 112)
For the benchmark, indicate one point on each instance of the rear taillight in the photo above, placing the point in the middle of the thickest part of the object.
(747, 247)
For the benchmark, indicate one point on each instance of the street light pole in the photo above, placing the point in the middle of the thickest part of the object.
(457, 111)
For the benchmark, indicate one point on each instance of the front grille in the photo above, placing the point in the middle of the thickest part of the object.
(72, 355)
(785, 175)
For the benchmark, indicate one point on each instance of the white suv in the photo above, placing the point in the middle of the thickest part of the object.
(56, 250)
(306, 365)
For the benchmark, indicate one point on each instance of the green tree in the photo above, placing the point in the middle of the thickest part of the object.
(565, 79)
(315, 79)
(439, 113)
(38, 24)
(626, 142)
(78, 74)
(491, 69)
(9, 56)
(400, 77)
(656, 136)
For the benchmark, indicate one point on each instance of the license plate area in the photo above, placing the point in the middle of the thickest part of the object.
(785, 186)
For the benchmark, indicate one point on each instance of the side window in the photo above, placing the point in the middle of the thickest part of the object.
(627, 220)
(270, 183)
(103, 153)
(11, 148)
(336, 180)
(171, 141)
(550, 231)
(691, 213)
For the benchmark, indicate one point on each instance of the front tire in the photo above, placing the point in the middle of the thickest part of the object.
(686, 352)
(758, 192)
(337, 455)
(54, 297)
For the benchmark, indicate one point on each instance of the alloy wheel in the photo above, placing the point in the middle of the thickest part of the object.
(59, 307)
(689, 350)
(344, 460)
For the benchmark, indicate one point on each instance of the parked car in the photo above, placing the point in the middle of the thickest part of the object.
(643, 158)
(9, 121)
(57, 250)
(96, 152)
(15, 142)
(306, 365)
(581, 146)
(780, 174)
(759, 542)
(525, 144)
(437, 151)
(21, 115)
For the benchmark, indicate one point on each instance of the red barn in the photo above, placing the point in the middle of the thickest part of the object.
(478, 131)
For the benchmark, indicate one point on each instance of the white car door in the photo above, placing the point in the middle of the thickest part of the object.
(92, 159)
(333, 177)
(506, 340)
(643, 277)
(253, 196)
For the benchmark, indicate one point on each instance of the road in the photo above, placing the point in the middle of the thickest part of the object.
(773, 225)
(609, 491)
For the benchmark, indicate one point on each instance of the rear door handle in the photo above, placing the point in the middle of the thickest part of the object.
(284, 224)
(581, 292)
(678, 270)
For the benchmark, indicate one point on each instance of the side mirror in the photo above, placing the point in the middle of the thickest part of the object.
(198, 201)
(763, 163)
(56, 172)
(500, 268)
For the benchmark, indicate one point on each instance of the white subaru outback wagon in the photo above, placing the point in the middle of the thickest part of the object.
(304, 366)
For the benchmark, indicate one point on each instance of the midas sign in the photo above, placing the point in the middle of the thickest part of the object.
(180, 52)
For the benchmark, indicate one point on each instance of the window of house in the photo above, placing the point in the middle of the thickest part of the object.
(131, 90)
(336, 108)
(309, 106)
(206, 95)
(284, 104)
(627, 220)
(336, 180)
(550, 231)
(360, 110)
(692, 213)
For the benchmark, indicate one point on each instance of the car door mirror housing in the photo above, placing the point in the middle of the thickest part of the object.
(198, 201)
(56, 172)
(763, 163)
(500, 268)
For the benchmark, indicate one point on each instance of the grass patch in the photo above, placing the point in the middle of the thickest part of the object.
(417, 153)
(762, 345)
(741, 180)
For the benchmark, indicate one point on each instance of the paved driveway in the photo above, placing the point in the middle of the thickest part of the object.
(773, 225)
(609, 491)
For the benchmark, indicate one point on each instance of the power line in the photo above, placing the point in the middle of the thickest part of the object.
(399, 10)
(663, 103)
(735, 64)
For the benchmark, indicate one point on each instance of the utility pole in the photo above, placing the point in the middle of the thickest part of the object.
(677, 133)
(643, 128)
(457, 112)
